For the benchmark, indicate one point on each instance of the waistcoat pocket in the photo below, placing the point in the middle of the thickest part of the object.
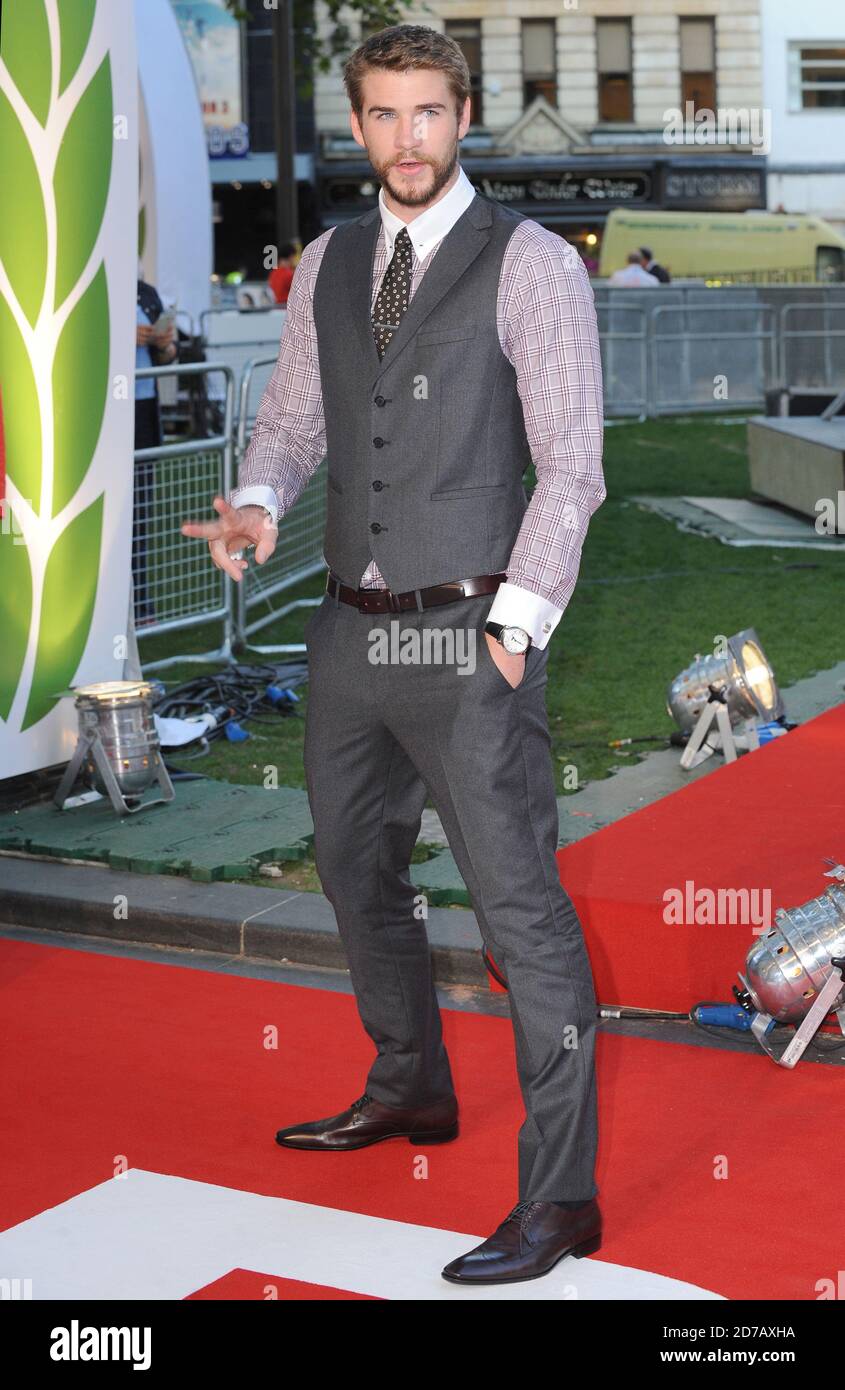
(446, 494)
(447, 335)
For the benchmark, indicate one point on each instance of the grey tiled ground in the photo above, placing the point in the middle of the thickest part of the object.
(739, 521)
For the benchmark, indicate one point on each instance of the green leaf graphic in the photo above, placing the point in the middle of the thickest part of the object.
(75, 20)
(25, 50)
(70, 590)
(23, 225)
(21, 415)
(15, 606)
(81, 182)
(80, 385)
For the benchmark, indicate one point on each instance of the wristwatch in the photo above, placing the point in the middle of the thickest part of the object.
(514, 639)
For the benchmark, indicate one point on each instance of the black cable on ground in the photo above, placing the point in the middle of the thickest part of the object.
(237, 695)
(723, 1033)
(676, 738)
(649, 1015)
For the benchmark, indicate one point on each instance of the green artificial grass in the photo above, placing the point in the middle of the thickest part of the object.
(648, 598)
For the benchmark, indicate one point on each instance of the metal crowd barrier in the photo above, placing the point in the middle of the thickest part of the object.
(175, 584)
(299, 545)
(661, 350)
(658, 358)
(824, 368)
(624, 359)
(688, 366)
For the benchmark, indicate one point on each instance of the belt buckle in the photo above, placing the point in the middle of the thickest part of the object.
(364, 600)
(378, 596)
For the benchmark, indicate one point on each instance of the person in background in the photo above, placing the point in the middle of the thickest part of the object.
(650, 264)
(280, 279)
(153, 348)
(634, 276)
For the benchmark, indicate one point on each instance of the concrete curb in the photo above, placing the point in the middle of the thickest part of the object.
(179, 913)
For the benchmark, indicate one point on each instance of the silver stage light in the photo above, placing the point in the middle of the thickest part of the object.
(736, 689)
(118, 751)
(795, 973)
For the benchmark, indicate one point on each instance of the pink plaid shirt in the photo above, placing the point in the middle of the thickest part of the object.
(547, 329)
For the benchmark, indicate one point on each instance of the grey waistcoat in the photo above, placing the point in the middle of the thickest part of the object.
(426, 448)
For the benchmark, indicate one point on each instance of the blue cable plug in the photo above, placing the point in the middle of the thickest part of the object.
(726, 1016)
(276, 695)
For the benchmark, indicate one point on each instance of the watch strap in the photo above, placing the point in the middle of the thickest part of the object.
(496, 630)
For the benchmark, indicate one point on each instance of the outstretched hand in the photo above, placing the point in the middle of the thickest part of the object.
(237, 528)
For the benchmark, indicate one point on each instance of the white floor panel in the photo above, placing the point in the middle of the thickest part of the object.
(150, 1235)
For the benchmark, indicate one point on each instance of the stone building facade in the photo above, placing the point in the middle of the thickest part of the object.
(567, 93)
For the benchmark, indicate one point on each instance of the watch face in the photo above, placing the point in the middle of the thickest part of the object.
(515, 640)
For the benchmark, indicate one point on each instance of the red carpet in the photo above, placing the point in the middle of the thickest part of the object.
(167, 1069)
(766, 821)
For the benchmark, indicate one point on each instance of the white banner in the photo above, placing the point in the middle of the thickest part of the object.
(177, 251)
(68, 271)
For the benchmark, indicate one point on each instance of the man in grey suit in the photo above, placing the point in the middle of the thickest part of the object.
(433, 347)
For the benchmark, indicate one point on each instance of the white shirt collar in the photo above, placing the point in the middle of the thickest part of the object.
(429, 227)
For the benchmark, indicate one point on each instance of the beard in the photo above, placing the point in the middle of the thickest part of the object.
(413, 193)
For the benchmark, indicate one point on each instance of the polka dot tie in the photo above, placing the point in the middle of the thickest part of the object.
(394, 293)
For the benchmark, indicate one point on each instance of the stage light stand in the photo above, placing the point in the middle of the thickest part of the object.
(118, 750)
(796, 971)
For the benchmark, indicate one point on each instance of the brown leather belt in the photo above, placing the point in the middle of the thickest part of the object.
(385, 601)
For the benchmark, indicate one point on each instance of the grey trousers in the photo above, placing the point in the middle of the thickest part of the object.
(382, 736)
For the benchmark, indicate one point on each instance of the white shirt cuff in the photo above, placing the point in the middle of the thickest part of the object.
(516, 607)
(256, 496)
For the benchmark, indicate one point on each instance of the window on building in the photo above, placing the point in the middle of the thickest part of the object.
(616, 92)
(816, 76)
(539, 60)
(698, 64)
(467, 35)
(258, 106)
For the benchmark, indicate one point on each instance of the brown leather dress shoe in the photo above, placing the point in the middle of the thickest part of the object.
(367, 1121)
(529, 1242)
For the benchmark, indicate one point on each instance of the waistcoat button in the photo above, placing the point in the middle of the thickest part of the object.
(379, 400)
(374, 526)
(378, 485)
(378, 441)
